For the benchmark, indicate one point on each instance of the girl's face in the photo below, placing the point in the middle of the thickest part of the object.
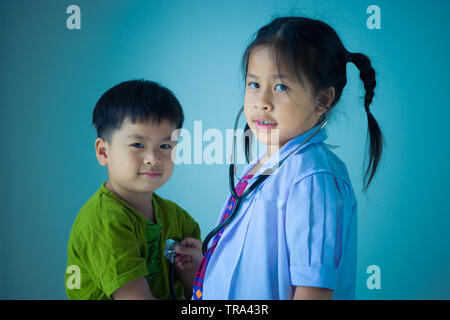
(277, 107)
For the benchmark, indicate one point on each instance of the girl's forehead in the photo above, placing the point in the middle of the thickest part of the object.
(263, 59)
(262, 62)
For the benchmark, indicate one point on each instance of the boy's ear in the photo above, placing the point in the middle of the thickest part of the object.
(101, 151)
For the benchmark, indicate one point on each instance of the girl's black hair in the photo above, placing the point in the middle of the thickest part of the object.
(313, 49)
(138, 100)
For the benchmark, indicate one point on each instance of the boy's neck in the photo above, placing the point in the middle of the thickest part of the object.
(142, 202)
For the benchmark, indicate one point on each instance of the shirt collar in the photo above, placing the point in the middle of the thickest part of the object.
(155, 200)
(284, 151)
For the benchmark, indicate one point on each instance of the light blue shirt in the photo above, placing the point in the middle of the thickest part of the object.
(298, 228)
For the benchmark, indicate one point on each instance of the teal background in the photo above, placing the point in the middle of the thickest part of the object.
(51, 78)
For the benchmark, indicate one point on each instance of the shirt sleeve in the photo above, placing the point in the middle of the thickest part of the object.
(191, 227)
(196, 232)
(316, 226)
(114, 256)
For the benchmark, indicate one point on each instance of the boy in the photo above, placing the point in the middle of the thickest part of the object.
(118, 238)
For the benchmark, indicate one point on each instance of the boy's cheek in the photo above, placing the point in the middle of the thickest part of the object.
(168, 170)
(170, 167)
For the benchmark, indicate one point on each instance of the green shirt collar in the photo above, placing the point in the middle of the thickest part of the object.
(156, 207)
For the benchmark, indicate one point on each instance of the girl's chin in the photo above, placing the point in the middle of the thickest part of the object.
(268, 138)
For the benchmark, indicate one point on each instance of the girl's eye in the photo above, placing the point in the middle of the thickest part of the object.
(281, 87)
(166, 146)
(137, 145)
(253, 85)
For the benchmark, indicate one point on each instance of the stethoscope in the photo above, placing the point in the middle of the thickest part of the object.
(169, 250)
(261, 178)
(169, 254)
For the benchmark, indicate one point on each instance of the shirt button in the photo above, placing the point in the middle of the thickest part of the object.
(280, 204)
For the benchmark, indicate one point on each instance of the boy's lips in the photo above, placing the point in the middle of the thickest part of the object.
(151, 174)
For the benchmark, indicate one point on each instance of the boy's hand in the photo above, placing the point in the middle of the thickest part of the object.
(189, 253)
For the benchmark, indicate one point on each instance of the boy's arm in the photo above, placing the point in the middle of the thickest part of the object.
(186, 277)
(189, 256)
(134, 290)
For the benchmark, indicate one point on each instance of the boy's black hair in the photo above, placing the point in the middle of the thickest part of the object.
(312, 49)
(137, 100)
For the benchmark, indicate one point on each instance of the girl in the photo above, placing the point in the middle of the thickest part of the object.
(293, 237)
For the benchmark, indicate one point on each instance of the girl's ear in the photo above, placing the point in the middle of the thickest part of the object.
(326, 98)
(101, 151)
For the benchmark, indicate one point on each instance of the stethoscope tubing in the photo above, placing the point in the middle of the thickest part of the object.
(237, 204)
(253, 186)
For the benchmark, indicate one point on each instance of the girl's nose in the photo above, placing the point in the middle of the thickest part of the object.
(264, 102)
(263, 106)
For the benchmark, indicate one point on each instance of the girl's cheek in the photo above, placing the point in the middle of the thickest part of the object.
(247, 113)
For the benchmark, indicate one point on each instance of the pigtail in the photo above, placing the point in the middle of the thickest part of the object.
(367, 75)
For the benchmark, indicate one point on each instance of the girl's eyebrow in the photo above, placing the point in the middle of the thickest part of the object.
(274, 76)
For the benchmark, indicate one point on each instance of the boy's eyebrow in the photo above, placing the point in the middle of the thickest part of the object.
(140, 137)
(137, 136)
(274, 76)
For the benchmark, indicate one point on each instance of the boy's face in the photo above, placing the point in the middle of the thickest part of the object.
(139, 156)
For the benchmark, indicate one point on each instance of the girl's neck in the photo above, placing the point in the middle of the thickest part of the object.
(271, 150)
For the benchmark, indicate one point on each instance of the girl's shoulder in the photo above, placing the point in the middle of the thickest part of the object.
(316, 159)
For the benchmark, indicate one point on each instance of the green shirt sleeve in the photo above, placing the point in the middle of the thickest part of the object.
(195, 232)
(190, 226)
(114, 256)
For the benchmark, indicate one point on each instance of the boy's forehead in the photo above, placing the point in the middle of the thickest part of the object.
(146, 129)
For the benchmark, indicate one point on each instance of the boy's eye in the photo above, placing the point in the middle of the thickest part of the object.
(253, 85)
(281, 87)
(166, 146)
(137, 145)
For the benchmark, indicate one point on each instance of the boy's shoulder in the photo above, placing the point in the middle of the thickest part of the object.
(175, 217)
(101, 209)
(171, 208)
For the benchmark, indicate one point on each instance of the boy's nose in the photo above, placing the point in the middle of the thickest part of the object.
(152, 159)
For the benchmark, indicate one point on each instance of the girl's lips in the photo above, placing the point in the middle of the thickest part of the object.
(261, 126)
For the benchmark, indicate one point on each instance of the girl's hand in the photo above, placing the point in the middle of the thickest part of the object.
(189, 253)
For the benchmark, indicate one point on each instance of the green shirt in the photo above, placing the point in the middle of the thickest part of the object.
(112, 244)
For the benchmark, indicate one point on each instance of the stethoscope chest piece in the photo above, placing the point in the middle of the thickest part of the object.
(169, 249)
(169, 254)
